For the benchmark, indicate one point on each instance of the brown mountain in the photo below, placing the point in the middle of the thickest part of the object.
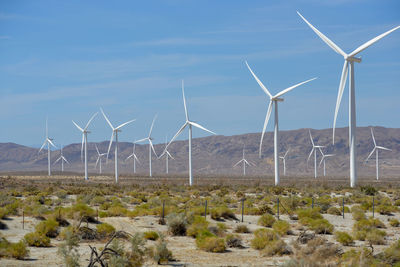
(217, 154)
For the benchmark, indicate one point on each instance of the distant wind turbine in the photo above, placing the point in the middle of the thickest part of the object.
(167, 155)
(99, 159)
(62, 158)
(114, 133)
(244, 162)
(376, 150)
(134, 157)
(349, 60)
(323, 159)
(188, 123)
(151, 147)
(48, 141)
(314, 149)
(274, 101)
(84, 142)
(283, 158)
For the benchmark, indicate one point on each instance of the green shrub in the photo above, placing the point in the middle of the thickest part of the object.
(242, 229)
(344, 238)
(276, 247)
(334, 211)
(199, 223)
(177, 224)
(375, 222)
(233, 241)
(376, 237)
(36, 239)
(81, 210)
(151, 235)
(262, 237)
(3, 213)
(266, 220)
(220, 213)
(115, 211)
(210, 243)
(281, 227)
(386, 209)
(48, 228)
(105, 230)
(358, 213)
(69, 248)
(17, 250)
(161, 254)
(305, 215)
(321, 226)
(392, 253)
(394, 223)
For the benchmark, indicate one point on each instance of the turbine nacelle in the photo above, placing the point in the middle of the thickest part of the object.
(277, 99)
(353, 59)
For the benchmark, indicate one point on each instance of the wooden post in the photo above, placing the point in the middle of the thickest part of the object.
(312, 202)
(277, 202)
(205, 210)
(23, 219)
(242, 208)
(343, 208)
(373, 206)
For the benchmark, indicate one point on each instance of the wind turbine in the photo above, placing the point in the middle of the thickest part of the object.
(84, 142)
(376, 150)
(274, 101)
(245, 162)
(48, 141)
(283, 158)
(99, 158)
(115, 133)
(314, 149)
(134, 157)
(188, 123)
(151, 147)
(324, 156)
(349, 60)
(62, 158)
(167, 155)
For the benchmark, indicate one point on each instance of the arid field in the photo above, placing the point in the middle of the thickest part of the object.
(64, 221)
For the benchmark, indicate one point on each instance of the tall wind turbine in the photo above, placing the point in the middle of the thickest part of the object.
(244, 162)
(283, 158)
(62, 158)
(115, 132)
(314, 149)
(48, 141)
(99, 159)
(151, 147)
(323, 159)
(349, 60)
(188, 123)
(376, 150)
(84, 141)
(134, 157)
(167, 155)
(274, 101)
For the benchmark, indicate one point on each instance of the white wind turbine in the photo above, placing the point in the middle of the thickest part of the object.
(349, 60)
(324, 156)
(167, 155)
(48, 141)
(84, 141)
(376, 150)
(274, 101)
(115, 133)
(62, 158)
(99, 159)
(283, 158)
(134, 157)
(188, 123)
(151, 147)
(314, 149)
(244, 162)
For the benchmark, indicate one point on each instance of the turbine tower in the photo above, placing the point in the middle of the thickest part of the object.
(48, 141)
(324, 156)
(314, 149)
(245, 162)
(274, 101)
(99, 159)
(283, 158)
(151, 147)
(114, 133)
(167, 155)
(62, 158)
(188, 123)
(349, 60)
(84, 142)
(376, 150)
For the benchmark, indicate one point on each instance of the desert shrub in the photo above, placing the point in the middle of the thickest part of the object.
(262, 237)
(151, 235)
(306, 214)
(36, 239)
(376, 237)
(242, 229)
(321, 226)
(276, 247)
(82, 210)
(281, 227)
(361, 257)
(265, 208)
(210, 243)
(233, 241)
(198, 223)
(369, 190)
(17, 250)
(61, 194)
(137, 252)
(68, 249)
(3, 213)
(266, 220)
(344, 238)
(161, 254)
(105, 230)
(177, 224)
(48, 228)
(394, 222)
(115, 211)
(334, 211)
(386, 209)
(392, 253)
(357, 213)
(375, 222)
(220, 213)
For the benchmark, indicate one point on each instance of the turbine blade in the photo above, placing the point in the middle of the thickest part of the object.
(286, 152)
(383, 148)
(370, 154)
(373, 137)
(265, 124)
(98, 153)
(152, 147)
(322, 160)
(152, 124)
(105, 117)
(238, 163)
(309, 156)
(57, 160)
(122, 125)
(176, 135)
(201, 127)
(170, 155)
(371, 42)
(65, 159)
(94, 115)
(342, 84)
(141, 140)
(136, 158)
(130, 156)
(77, 126)
(312, 141)
(259, 82)
(109, 146)
(97, 161)
(292, 87)
(51, 143)
(184, 101)
(324, 38)
(320, 150)
(42, 146)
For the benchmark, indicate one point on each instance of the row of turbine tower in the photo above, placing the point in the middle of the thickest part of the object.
(348, 70)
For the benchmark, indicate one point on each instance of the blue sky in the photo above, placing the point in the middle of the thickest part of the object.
(66, 59)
